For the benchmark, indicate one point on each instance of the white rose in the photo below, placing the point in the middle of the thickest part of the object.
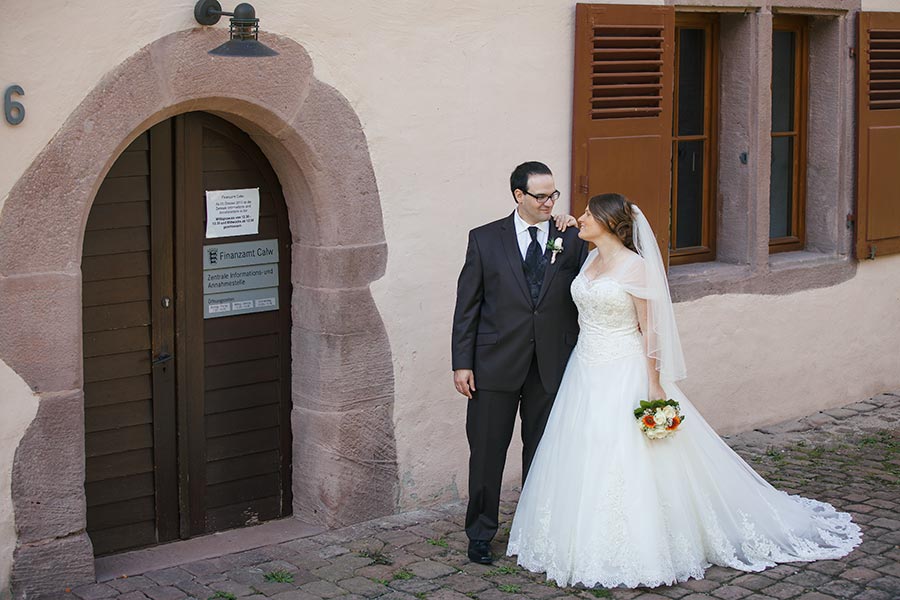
(660, 416)
(557, 244)
(669, 411)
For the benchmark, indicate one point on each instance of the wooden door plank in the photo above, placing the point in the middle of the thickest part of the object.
(113, 391)
(241, 350)
(242, 443)
(234, 398)
(115, 266)
(116, 366)
(122, 513)
(243, 373)
(128, 537)
(117, 416)
(117, 241)
(260, 486)
(115, 291)
(243, 514)
(129, 164)
(102, 343)
(111, 466)
(163, 306)
(122, 439)
(119, 490)
(120, 214)
(131, 189)
(242, 467)
(239, 421)
(190, 210)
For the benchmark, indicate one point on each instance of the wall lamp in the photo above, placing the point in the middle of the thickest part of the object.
(244, 29)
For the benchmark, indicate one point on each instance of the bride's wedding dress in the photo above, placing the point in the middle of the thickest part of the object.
(605, 505)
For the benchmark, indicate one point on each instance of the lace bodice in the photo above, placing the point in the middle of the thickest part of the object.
(608, 321)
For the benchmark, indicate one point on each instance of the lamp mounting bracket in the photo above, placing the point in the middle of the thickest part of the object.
(208, 12)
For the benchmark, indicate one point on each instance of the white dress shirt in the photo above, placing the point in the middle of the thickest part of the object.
(525, 238)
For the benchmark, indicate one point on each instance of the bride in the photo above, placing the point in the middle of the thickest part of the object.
(603, 504)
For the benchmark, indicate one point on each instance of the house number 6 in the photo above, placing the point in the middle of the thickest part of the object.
(15, 111)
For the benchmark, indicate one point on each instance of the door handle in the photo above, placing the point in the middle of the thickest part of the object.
(162, 358)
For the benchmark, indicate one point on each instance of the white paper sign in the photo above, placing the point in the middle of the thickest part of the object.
(232, 212)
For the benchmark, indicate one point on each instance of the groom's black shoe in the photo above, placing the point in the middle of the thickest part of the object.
(480, 552)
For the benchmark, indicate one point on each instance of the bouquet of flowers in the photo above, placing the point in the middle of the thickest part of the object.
(658, 418)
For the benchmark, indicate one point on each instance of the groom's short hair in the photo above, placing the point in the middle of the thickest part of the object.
(519, 178)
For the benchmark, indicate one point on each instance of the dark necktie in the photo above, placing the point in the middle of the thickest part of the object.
(533, 266)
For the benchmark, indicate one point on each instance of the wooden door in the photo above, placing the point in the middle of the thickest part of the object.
(622, 108)
(878, 97)
(187, 420)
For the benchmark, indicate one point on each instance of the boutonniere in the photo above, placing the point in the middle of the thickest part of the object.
(555, 247)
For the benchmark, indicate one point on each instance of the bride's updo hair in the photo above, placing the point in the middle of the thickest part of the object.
(615, 212)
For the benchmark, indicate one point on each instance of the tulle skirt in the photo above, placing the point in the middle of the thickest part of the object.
(605, 505)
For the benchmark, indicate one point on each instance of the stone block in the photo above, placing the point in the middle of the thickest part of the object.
(430, 569)
(363, 587)
(130, 584)
(785, 427)
(296, 595)
(335, 311)
(338, 267)
(48, 568)
(341, 372)
(819, 419)
(731, 592)
(169, 576)
(885, 399)
(95, 591)
(345, 469)
(40, 329)
(258, 91)
(326, 132)
(323, 589)
(841, 413)
(48, 472)
(165, 593)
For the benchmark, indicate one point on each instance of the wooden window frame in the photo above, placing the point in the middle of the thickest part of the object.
(799, 25)
(707, 249)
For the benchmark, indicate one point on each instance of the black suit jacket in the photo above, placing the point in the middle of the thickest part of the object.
(496, 328)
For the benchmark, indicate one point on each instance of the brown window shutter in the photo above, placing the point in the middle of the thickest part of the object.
(878, 178)
(622, 109)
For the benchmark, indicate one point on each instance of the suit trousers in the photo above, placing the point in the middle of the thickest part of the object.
(490, 420)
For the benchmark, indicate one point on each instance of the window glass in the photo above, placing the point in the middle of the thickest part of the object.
(691, 80)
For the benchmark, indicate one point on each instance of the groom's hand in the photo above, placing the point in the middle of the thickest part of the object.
(464, 380)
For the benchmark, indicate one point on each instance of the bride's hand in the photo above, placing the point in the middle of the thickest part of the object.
(563, 222)
(656, 392)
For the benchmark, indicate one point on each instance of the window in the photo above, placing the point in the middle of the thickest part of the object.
(789, 97)
(694, 147)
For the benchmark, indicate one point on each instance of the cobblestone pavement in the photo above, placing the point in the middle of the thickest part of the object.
(849, 457)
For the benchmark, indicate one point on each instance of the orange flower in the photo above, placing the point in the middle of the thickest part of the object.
(649, 421)
(675, 423)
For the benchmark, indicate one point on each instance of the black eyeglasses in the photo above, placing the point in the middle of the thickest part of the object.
(542, 198)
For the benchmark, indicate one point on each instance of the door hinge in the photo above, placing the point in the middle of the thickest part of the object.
(852, 52)
(583, 184)
(851, 220)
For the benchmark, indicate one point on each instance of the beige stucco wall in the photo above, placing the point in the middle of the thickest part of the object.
(451, 98)
(17, 408)
(881, 5)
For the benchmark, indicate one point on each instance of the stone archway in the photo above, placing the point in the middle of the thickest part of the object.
(344, 456)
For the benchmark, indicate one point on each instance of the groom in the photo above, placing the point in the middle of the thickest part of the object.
(513, 330)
